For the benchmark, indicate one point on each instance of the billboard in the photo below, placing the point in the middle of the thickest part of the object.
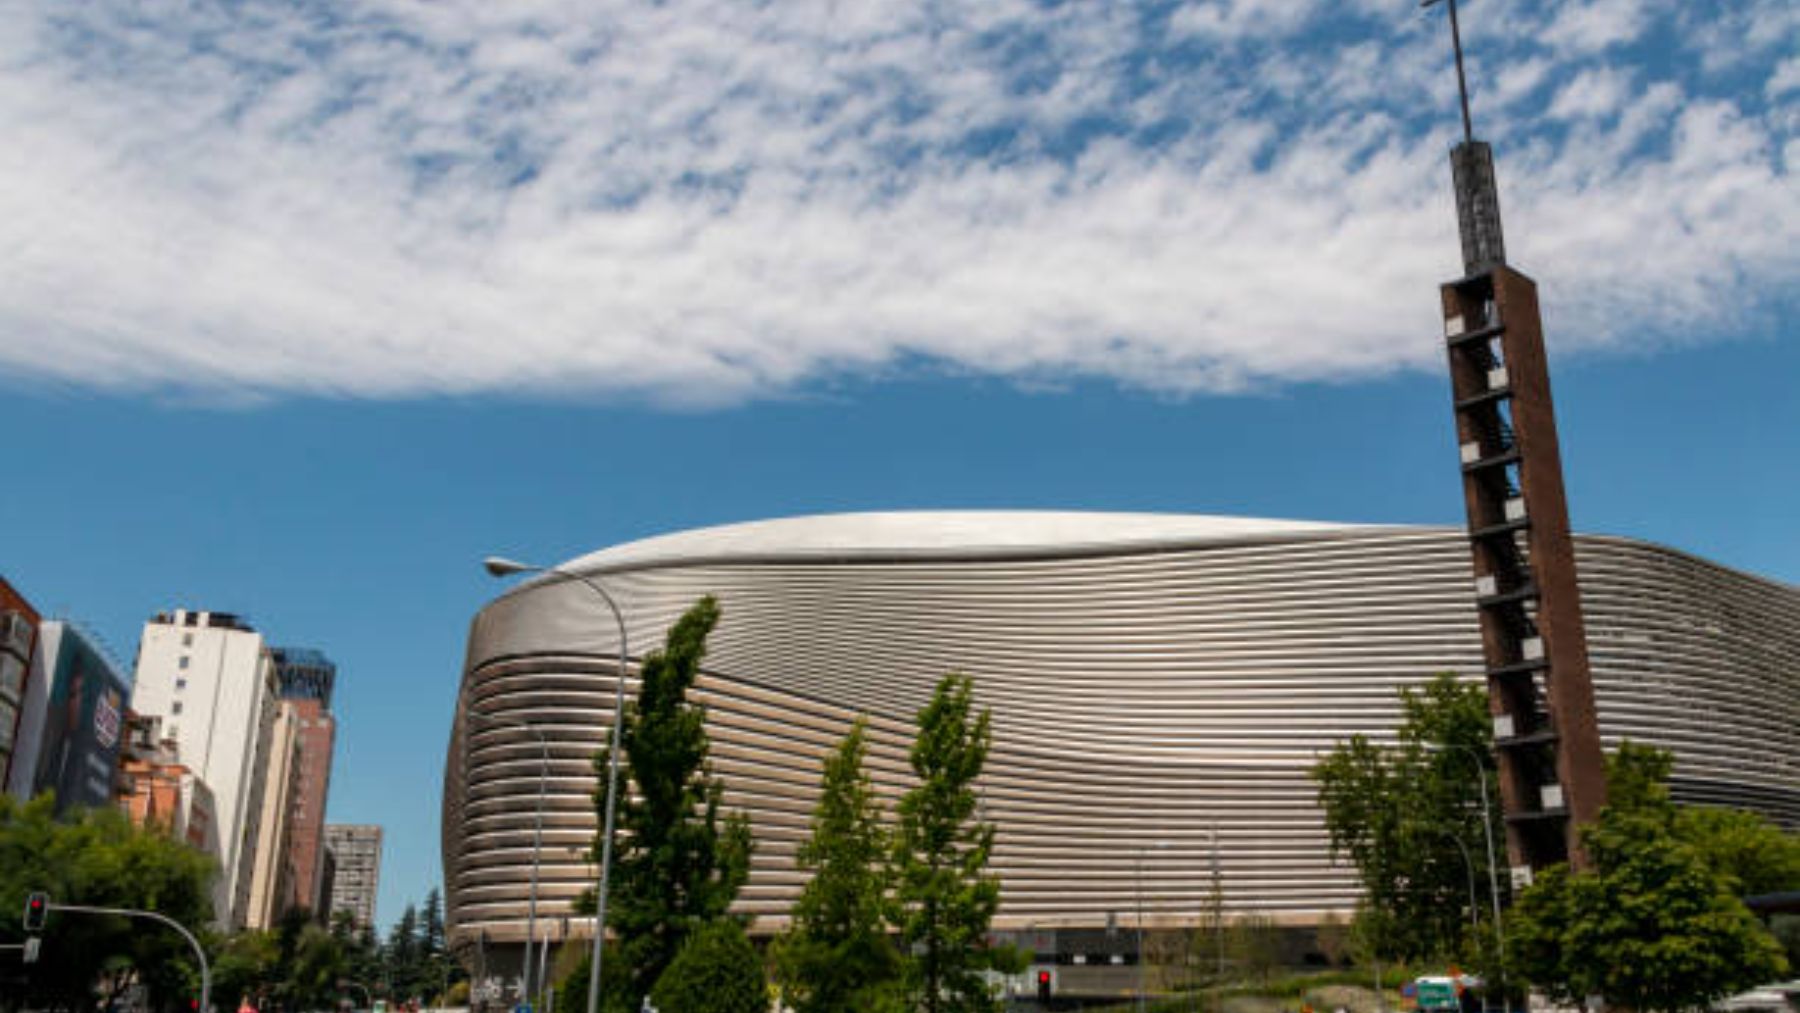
(79, 755)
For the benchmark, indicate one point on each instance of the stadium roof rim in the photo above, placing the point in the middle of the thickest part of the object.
(923, 535)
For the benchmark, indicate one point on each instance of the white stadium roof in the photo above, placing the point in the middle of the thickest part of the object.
(946, 533)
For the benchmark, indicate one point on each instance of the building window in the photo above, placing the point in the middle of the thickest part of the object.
(180, 684)
(182, 662)
(175, 708)
(187, 640)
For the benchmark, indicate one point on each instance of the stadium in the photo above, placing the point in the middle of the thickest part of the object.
(1160, 685)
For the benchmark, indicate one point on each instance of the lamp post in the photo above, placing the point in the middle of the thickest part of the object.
(1143, 965)
(1487, 830)
(537, 833)
(1468, 867)
(500, 567)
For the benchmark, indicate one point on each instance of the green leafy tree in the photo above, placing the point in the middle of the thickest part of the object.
(680, 861)
(1406, 815)
(1787, 931)
(247, 967)
(97, 857)
(717, 971)
(837, 954)
(572, 993)
(318, 963)
(1745, 846)
(1651, 926)
(945, 898)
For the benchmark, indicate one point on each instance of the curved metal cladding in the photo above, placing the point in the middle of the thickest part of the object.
(1159, 689)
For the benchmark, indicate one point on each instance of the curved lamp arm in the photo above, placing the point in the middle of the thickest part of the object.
(501, 567)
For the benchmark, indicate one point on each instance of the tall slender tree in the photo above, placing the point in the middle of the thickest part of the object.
(401, 960)
(945, 898)
(679, 860)
(837, 955)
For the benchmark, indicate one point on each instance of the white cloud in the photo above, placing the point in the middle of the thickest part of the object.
(707, 201)
(1593, 25)
(1238, 19)
(1785, 79)
(1593, 93)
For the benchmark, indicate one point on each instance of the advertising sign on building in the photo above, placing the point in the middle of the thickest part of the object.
(80, 750)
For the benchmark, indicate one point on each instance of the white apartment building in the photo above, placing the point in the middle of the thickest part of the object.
(209, 677)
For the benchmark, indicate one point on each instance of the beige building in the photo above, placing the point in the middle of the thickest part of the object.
(272, 872)
(356, 850)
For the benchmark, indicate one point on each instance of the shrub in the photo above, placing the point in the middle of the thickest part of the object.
(717, 971)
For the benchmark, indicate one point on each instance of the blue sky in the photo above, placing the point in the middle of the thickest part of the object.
(305, 307)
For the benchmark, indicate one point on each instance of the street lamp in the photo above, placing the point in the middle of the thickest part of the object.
(500, 567)
(1468, 867)
(537, 833)
(1143, 981)
(1487, 830)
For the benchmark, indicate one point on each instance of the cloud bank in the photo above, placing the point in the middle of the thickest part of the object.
(707, 201)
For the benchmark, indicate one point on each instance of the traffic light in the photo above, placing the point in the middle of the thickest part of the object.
(37, 906)
(1043, 986)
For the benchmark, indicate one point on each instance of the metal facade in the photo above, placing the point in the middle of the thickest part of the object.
(1150, 696)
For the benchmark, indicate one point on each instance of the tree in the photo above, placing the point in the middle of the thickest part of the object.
(318, 963)
(247, 967)
(945, 899)
(1210, 936)
(1745, 846)
(97, 857)
(441, 969)
(1406, 815)
(572, 994)
(837, 955)
(1650, 926)
(402, 966)
(717, 971)
(680, 863)
(1255, 944)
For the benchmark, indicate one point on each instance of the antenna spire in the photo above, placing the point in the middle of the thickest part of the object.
(1472, 173)
(1462, 81)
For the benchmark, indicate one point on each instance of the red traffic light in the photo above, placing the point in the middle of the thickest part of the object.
(37, 906)
(1043, 977)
